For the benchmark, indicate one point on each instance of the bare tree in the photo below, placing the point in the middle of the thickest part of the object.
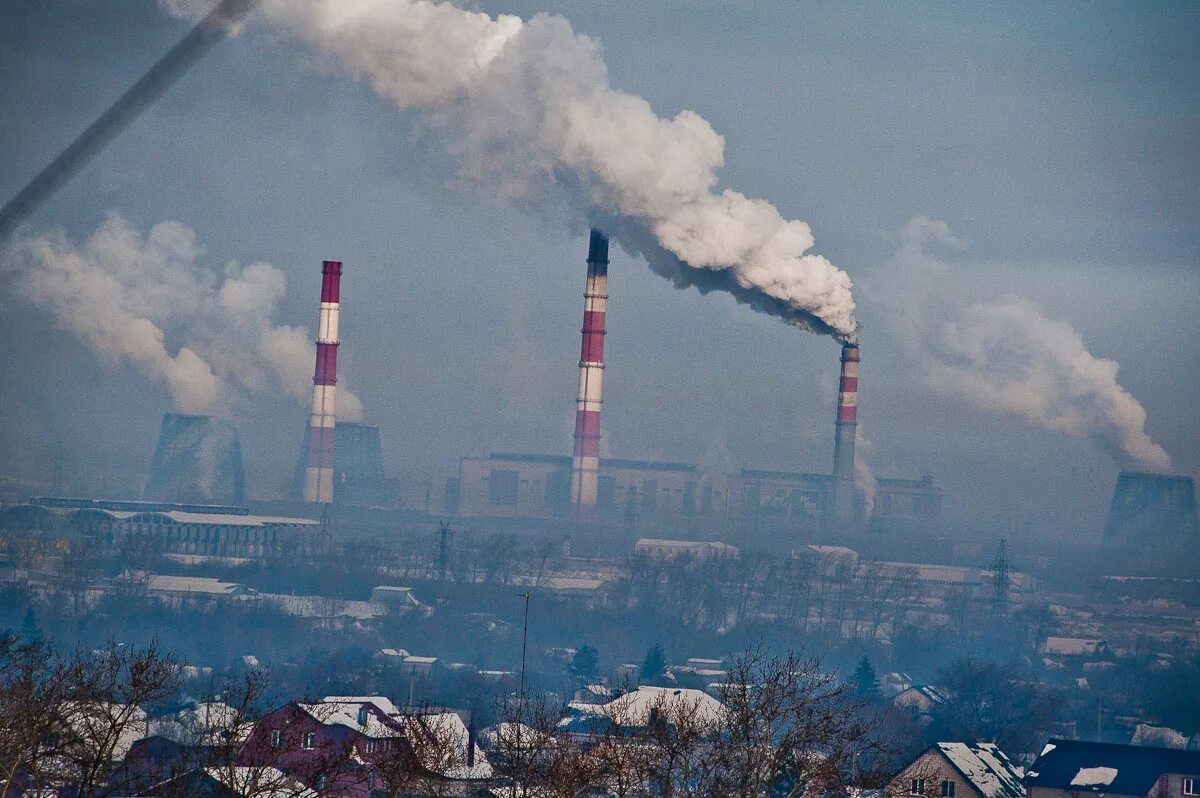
(788, 728)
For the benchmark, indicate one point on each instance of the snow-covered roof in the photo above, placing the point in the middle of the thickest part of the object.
(384, 703)
(634, 708)
(192, 584)
(452, 731)
(1072, 646)
(260, 782)
(393, 652)
(346, 713)
(1078, 766)
(96, 721)
(203, 724)
(986, 767)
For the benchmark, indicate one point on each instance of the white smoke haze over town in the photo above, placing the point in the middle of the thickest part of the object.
(457, 196)
(1004, 355)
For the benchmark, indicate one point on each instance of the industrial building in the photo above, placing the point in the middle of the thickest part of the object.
(628, 491)
(213, 531)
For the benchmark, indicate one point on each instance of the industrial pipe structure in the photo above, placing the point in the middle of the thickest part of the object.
(318, 472)
(585, 465)
(191, 48)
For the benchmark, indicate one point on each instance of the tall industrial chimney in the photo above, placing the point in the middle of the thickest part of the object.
(585, 466)
(843, 442)
(318, 472)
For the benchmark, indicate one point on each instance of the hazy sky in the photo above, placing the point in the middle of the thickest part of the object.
(1060, 144)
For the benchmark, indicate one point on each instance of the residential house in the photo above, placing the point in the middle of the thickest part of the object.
(920, 701)
(1069, 768)
(959, 770)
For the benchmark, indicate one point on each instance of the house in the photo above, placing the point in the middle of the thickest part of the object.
(1073, 647)
(920, 701)
(346, 742)
(396, 598)
(959, 770)
(1067, 768)
(893, 683)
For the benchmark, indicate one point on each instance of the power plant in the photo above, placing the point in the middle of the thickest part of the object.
(197, 460)
(588, 487)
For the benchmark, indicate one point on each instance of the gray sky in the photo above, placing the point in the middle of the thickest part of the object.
(1061, 143)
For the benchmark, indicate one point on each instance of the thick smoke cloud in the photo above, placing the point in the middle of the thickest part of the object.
(524, 108)
(1005, 356)
(126, 295)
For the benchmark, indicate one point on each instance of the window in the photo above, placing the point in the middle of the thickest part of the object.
(947, 788)
(916, 787)
(276, 738)
(322, 782)
(1190, 787)
(362, 716)
(370, 746)
(310, 741)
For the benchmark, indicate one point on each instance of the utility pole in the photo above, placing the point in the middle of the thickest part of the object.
(524, 647)
(1001, 581)
(443, 549)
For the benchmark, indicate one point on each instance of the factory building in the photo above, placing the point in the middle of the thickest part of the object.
(206, 530)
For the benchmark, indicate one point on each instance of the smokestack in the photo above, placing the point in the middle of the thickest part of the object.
(843, 442)
(585, 466)
(318, 473)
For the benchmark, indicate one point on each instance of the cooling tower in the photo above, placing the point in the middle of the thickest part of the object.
(358, 475)
(1152, 508)
(198, 460)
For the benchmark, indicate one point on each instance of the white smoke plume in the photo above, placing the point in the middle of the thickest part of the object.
(1005, 356)
(525, 109)
(126, 294)
(864, 476)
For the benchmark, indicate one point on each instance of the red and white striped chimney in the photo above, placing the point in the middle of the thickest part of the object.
(585, 465)
(843, 442)
(318, 472)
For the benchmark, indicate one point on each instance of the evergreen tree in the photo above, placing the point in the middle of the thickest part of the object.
(865, 680)
(585, 662)
(30, 631)
(653, 665)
